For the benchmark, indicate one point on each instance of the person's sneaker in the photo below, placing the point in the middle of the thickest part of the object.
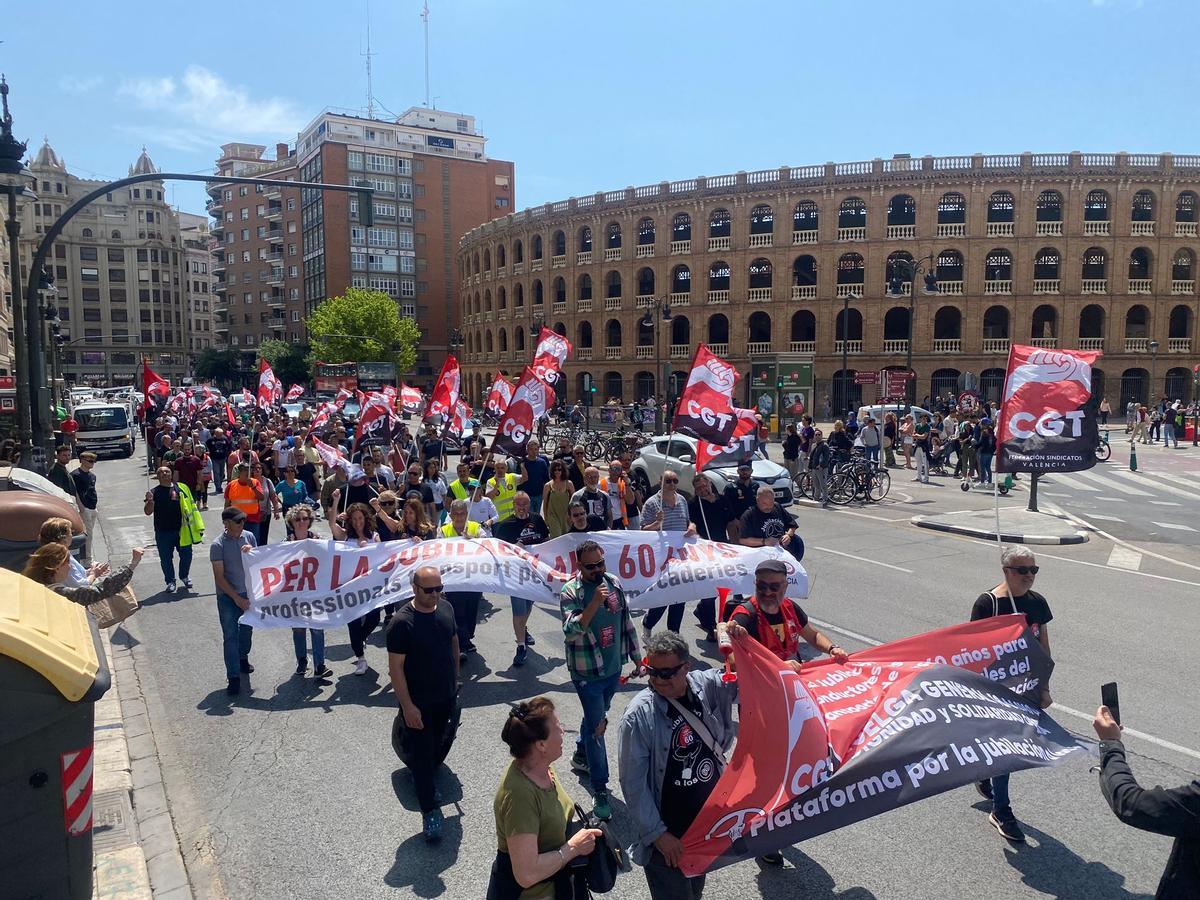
(710, 636)
(579, 763)
(360, 666)
(170, 587)
(601, 806)
(467, 646)
(985, 789)
(301, 666)
(244, 665)
(187, 583)
(1006, 823)
(462, 659)
(433, 826)
(529, 641)
(322, 671)
(234, 687)
(771, 859)
(522, 655)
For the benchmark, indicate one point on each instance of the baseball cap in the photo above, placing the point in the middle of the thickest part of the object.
(777, 566)
(232, 514)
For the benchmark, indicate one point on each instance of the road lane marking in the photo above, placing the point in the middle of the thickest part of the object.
(118, 518)
(1172, 525)
(1164, 503)
(1067, 481)
(1125, 558)
(1115, 485)
(1056, 707)
(1106, 518)
(858, 558)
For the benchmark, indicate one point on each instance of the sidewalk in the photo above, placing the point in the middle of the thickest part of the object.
(135, 848)
(1017, 526)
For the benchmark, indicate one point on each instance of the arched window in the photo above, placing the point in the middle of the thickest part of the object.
(758, 328)
(560, 243)
(899, 266)
(487, 341)
(560, 290)
(518, 252)
(1135, 386)
(560, 328)
(643, 385)
(718, 329)
(804, 271)
(585, 334)
(500, 256)
(503, 340)
(1095, 263)
(991, 383)
(995, 323)
(1178, 383)
(944, 381)
(681, 331)
(1185, 209)
(1091, 321)
(1180, 323)
(1183, 265)
(681, 227)
(845, 394)
(1049, 206)
(804, 326)
(848, 325)
(612, 284)
(1095, 206)
(487, 259)
(612, 236)
(116, 235)
(585, 287)
(487, 301)
(762, 220)
(519, 297)
(1045, 323)
(1142, 207)
(519, 339)
(1139, 263)
(613, 385)
(1137, 322)
(947, 324)
(87, 232)
(475, 264)
(612, 333)
(718, 276)
(950, 266)
(645, 332)
(645, 281)
(1046, 264)
(538, 297)
(536, 245)
(902, 210)
(952, 209)
(805, 216)
(1001, 207)
(760, 273)
(585, 239)
(681, 280)
(719, 223)
(998, 266)
(895, 324)
(645, 232)
(852, 213)
(850, 269)
(501, 298)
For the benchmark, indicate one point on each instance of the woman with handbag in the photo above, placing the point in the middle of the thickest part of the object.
(534, 859)
(51, 565)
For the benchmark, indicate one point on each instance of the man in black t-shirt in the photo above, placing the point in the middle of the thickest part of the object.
(711, 515)
(740, 494)
(432, 447)
(219, 447)
(163, 504)
(525, 529)
(1014, 595)
(416, 489)
(422, 644)
(767, 524)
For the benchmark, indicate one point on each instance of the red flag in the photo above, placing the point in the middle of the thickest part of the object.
(1046, 423)
(266, 387)
(342, 396)
(499, 396)
(458, 425)
(390, 392)
(705, 409)
(295, 392)
(445, 392)
(410, 399)
(247, 397)
(156, 388)
(551, 353)
(377, 423)
(229, 414)
(331, 456)
(529, 403)
(739, 450)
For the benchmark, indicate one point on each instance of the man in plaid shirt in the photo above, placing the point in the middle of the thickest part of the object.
(599, 637)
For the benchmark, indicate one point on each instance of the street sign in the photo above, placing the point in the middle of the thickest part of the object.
(866, 378)
(896, 382)
(968, 400)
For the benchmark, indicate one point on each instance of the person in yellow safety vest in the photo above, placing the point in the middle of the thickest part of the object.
(464, 488)
(503, 487)
(465, 603)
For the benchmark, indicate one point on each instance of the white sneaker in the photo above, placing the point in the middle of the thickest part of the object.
(360, 666)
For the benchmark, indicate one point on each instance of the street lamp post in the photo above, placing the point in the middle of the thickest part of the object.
(662, 306)
(1153, 347)
(845, 398)
(896, 289)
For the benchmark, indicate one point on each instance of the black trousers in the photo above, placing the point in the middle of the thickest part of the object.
(674, 617)
(426, 748)
(466, 613)
(360, 629)
(706, 613)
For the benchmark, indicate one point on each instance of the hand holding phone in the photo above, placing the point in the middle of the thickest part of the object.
(1108, 696)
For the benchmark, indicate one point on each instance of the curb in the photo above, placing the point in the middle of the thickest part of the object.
(1077, 537)
(135, 849)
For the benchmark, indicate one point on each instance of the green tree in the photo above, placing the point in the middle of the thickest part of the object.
(363, 326)
(215, 365)
(286, 360)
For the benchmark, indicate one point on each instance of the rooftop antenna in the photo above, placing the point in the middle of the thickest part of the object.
(425, 20)
(368, 55)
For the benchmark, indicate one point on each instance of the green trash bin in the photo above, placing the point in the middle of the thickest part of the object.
(52, 671)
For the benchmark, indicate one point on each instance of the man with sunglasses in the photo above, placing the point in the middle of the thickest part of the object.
(600, 636)
(1014, 595)
(667, 765)
(423, 662)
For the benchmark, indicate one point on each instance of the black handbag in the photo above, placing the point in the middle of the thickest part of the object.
(607, 859)
(503, 884)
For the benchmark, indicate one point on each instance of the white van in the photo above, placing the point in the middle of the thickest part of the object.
(105, 428)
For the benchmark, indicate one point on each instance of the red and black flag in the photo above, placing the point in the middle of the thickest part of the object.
(550, 355)
(377, 422)
(739, 450)
(445, 393)
(705, 409)
(157, 389)
(529, 403)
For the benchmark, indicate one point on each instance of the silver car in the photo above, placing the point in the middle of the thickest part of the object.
(678, 453)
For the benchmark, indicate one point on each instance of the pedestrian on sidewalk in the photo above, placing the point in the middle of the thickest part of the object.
(523, 528)
(890, 435)
(1105, 411)
(921, 443)
(57, 530)
(806, 442)
(58, 474)
(51, 565)
(299, 521)
(87, 499)
(358, 527)
(907, 439)
(166, 504)
(229, 575)
(985, 448)
(423, 662)
(791, 451)
(1013, 595)
(600, 635)
(871, 439)
(820, 465)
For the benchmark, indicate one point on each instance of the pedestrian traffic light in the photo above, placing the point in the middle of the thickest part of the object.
(366, 209)
(779, 384)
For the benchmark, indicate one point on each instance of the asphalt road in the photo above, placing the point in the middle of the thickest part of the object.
(293, 790)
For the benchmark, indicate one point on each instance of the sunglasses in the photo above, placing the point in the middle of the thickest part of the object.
(437, 589)
(1024, 570)
(770, 586)
(664, 674)
(387, 502)
(670, 481)
(592, 567)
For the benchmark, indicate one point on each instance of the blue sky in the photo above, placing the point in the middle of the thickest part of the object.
(589, 96)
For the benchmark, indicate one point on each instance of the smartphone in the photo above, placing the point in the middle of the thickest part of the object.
(1108, 696)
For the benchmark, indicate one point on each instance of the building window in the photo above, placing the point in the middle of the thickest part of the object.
(89, 274)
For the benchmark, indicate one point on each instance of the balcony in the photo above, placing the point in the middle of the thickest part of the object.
(1049, 229)
(518, 268)
(852, 234)
(1046, 285)
(950, 288)
(583, 354)
(276, 277)
(535, 265)
(1183, 286)
(718, 296)
(995, 345)
(611, 303)
(1185, 229)
(1179, 345)
(901, 232)
(851, 346)
(900, 346)
(760, 295)
(947, 345)
(1045, 343)
(645, 251)
(849, 290)
(952, 229)
(612, 254)
(681, 351)
(274, 212)
(678, 247)
(718, 243)
(804, 292)
(762, 240)
(1141, 229)
(1096, 229)
(644, 352)
(1137, 345)
(804, 237)
(276, 300)
(803, 346)
(218, 230)
(275, 256)
(501, 271)
(1094, 286)
(612, 352)
(758, 348)
(278, 323)
(559, 261)
(1091, 343)
(681, 298)
(215, 208)
(583, 257)
(719, 349)
(998, 286)
(1000, 229)
(218, 267)
(643, 301)
(584, 304)
(560, 306)
(905, 288)
(1139, 285)
(220, 324)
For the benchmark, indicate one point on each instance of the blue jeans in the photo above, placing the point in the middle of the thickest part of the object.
(595, 695)
(318, 645)
(218, 474)
(985, 467)
(872, 453)
(1000, 793)
(235, 637)
(1169, 434)
(167, 543)
(535, 504)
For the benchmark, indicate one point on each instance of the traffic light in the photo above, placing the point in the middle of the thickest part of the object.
(779, 384)
(366, 208)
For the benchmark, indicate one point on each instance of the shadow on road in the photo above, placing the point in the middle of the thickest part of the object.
(418, 865)
(1052, 869)
(804, 877)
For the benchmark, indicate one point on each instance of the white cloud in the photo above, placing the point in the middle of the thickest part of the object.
(79, 84)
(201, 107)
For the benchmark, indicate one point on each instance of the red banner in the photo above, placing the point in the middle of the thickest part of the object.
(267, 386)
(529, 403)
(410, 399)
(738, 450)
(705, 410)
(445, 392)
(295, 392)
(550, 356)
(499, 396)
(377, 423)
(156, 388)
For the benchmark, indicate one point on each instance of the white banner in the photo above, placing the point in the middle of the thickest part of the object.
(321, 584)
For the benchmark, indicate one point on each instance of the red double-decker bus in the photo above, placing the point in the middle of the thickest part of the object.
(333, 377)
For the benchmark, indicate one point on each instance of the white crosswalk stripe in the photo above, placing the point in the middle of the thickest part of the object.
(1165, 503)
(1115, 485)
(1124, 557)
(1071, 482)
(1175, 527)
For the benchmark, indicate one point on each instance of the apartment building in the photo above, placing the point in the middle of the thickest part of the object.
(198, 297)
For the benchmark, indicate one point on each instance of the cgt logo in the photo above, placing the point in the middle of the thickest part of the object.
(707, 416)
(733, 825)
(1051, 423)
